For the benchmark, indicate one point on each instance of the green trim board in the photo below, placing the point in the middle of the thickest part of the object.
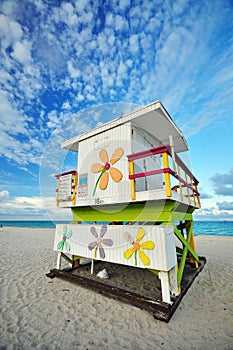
(151, 211)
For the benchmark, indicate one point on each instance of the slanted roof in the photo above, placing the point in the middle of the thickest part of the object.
(152, 118)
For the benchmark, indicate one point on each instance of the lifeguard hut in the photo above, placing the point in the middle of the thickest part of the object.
(132, 198)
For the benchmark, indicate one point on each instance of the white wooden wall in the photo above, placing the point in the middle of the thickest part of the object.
(116, 240)
(89, 149)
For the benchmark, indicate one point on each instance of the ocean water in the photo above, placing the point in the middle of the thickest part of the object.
(214, 228)
(32, 224)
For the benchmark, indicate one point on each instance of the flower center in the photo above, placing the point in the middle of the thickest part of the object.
(64, 238)
(136, 245)
(107, 166)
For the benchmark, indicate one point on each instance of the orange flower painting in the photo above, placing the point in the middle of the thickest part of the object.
(106, 168)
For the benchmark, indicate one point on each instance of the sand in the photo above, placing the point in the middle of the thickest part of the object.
(42, 313)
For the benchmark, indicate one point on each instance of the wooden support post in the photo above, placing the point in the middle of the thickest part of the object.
(75, 261)
(192, 244)
(173, 281)
(164, 278)
(166, 175)
(58, 260)
(132, 181)
(92, 266)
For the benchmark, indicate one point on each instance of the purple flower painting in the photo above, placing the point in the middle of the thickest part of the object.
(97, 244)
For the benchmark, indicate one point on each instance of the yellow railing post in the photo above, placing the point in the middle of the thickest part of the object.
(57, 201)
(132, 181)
(75, 178)
(166, 175)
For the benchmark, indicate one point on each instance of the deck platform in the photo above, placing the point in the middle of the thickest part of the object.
(146, 295)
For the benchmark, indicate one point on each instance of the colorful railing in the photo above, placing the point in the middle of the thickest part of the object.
(185, 182)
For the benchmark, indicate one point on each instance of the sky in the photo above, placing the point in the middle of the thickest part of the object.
(68, 66)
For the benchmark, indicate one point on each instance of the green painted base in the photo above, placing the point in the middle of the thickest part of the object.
(153, 211)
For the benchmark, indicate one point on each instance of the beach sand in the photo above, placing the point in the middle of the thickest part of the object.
(42, 313)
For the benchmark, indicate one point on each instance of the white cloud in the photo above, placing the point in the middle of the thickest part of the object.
(179, 6)
(213, 214)
(21, 206)
(4, 195)
(66, 105)
(124, 4)
(53, 119)
(134, 43)
(74, 73)
(121, 23)
(11, 120)
(80, 98)
(22, 51)
(68, 15)
(28, 208)
(7, 7)
(10, 31)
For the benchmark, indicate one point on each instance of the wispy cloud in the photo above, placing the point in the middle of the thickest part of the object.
(26, 208)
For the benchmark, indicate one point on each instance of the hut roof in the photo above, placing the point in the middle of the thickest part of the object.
(153, 118)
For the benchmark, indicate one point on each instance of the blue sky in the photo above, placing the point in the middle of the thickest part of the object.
(67, 66)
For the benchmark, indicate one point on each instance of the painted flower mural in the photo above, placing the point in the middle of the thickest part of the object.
(97, 244)
(64, 243)
(137, 247)
(107, 168)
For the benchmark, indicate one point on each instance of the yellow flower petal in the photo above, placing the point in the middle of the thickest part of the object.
(96, 168)
(128, 253)
(103, 155)
(115, 174)
(140, 234)
(144, 257)
(147, 245)
(118, 153)
(104, 181)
